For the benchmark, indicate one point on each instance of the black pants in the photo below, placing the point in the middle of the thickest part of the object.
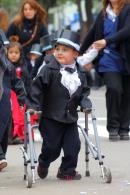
(117, 101)
(57, 136)
(4, 140)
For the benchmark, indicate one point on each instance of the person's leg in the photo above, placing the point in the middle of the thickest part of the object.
(5, 139)
(71, 148)
(3, 146)
(51, 132)
(113, 82)
(125, 109)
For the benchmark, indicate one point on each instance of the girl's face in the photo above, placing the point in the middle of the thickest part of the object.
(65, 55)
(13, 54)
(28, 11)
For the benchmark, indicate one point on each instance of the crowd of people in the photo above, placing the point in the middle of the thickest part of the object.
(49, 72)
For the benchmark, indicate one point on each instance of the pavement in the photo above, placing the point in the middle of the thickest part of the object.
(117, 158)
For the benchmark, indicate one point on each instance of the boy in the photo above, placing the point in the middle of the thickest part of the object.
(47, 48)
(59, 88)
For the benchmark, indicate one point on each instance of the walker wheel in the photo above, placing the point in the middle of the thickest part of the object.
(107, 175)
(29, 180)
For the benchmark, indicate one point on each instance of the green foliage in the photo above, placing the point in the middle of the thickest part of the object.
(11, 6)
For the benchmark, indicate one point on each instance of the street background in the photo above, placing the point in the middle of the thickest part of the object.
(117, 158)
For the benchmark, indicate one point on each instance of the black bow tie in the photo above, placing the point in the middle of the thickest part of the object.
(70, 70)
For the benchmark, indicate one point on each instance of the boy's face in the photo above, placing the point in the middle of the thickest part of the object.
(65, 55)
(33, 56)
(13, 54)
(50, 52)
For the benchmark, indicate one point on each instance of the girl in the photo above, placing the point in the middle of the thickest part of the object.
(14, 54)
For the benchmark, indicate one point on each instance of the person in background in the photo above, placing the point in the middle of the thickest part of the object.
(47, 49)
(111, 35)
(4, 19)
(34, 54)
(14, 55)
(29, 26)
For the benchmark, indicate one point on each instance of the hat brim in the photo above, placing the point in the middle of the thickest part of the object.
(47, 48)
(68, 43)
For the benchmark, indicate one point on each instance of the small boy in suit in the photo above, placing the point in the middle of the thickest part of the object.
(58, 89)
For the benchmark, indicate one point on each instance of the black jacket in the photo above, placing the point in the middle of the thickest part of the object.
(25, 33)
(10, 81)
(38, 63)
(53, 97)
(121, 38)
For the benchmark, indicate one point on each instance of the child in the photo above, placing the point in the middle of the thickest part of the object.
(14, 54)
(34, 54)
(47, 49)
(59, 88)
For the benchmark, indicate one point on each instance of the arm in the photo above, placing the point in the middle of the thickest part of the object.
(90, 37)
(88, 40)
(38, 88)
(87, 57)
(121, 35)
(18, 87)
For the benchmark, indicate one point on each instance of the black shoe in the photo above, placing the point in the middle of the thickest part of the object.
(124, 136)
(74, 176)
(113, 135)
(42, 172)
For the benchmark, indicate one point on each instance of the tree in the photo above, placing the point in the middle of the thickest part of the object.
(10, 6)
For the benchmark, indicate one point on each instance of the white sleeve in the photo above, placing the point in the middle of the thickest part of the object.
(87, 57)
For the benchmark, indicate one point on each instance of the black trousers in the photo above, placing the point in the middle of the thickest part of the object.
(4, 140)
(57, 136)
(117, 101)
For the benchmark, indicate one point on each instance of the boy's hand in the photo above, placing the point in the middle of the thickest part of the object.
(86, 110)
(21, 108)
(88, 67)
(31, 111)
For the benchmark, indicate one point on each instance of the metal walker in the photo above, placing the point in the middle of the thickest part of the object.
(28, 150)
(29, 153)
(95, 150)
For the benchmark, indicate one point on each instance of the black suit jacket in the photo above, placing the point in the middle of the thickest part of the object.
(121, 38)
(49, 95)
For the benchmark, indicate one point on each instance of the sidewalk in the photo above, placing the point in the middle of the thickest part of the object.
(117, 158)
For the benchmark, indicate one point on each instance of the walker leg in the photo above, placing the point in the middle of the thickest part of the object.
(87, 173)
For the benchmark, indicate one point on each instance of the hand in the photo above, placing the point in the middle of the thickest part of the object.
(100, 44)
(86, 110)
(31, 111)
(21, 108)
(88, 67)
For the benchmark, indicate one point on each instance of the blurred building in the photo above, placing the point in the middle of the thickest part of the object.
(64, 15)
(67, 15)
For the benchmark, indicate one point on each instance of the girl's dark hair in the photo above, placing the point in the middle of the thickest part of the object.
(119, 7)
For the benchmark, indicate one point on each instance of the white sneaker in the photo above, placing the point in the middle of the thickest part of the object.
(3, 164)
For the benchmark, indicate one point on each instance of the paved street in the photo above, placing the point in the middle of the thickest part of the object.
(117, 157)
